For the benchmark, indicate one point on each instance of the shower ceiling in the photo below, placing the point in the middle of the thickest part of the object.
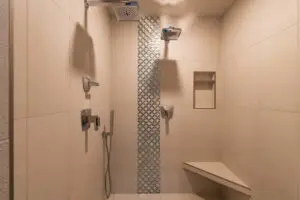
(181, 7)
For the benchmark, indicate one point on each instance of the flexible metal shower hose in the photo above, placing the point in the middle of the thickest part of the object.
(107, 174)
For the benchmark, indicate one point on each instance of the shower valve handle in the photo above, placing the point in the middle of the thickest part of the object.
(87, 118)
(88, 84)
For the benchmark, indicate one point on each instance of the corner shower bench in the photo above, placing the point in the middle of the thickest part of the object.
(219, 173)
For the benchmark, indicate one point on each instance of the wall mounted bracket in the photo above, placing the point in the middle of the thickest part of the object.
(87, 85)
(167, 112)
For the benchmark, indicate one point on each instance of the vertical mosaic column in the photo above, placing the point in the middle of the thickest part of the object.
(4, 99)
(148, 105)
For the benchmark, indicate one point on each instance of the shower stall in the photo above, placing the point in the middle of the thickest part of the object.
(149, 99)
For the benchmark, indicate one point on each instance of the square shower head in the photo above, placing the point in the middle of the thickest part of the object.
(126, 11)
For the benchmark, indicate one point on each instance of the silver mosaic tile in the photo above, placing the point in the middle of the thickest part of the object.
(4, 99)
(4, 170)
(4, 80)
(4, 22)
(4, 74)
(148, 105)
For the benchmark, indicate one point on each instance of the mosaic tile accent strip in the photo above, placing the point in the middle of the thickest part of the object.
(4, 99)
(4, 23)
(4, 170)
(148, 106)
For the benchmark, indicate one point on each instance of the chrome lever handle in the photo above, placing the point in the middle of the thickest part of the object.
(88, 84)
(87, 118)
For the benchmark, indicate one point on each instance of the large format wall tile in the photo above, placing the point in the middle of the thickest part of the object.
(124, 102)
(59, 54)
(268, 17)
(261, 80)
(252, 21)
(20, 159)
(20, 59)
(48, 59)
(277, 71)
(276, 149)
(48, 157)
(4, 169)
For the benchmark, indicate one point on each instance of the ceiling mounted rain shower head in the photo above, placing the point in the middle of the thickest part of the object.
(97, 2)
(170, 33)
(126, 11)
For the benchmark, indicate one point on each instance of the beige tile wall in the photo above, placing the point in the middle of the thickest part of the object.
(54, 158)
(260, 67)
(124, 102)
(193, 133)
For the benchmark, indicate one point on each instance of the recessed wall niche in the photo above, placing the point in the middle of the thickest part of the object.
(204, 90)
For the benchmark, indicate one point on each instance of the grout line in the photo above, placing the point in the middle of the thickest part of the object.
(278, 110)
(298, 63)
(264, 109)
(49, 114)
(27, 100)
(286, 28)
(20, 118)
(249, 46)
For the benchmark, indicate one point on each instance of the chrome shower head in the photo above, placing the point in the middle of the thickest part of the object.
(126, 11)
(170, 33)
(89, 3)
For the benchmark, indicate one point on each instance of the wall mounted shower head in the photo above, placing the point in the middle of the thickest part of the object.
(170, 33)
(126, 11)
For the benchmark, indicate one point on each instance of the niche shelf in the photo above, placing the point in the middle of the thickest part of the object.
(204, 90)
(219, 173)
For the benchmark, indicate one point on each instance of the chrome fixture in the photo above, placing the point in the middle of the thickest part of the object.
(124, 10)
(89, 3)
(107, 140)
(87, 118)
(167, 112)
(87, 85)
(170, 33)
